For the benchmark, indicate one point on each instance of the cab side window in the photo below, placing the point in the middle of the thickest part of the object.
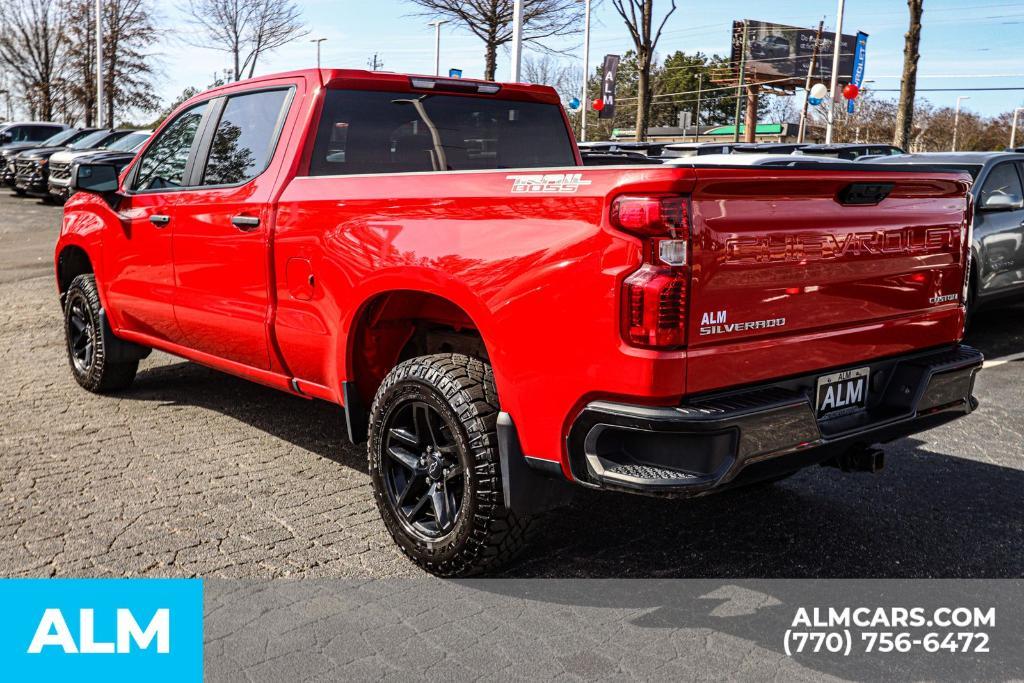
(163, 165)
(245, 137)
(1002, 181)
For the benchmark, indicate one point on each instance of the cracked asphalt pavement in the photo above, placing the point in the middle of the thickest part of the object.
(195, 473)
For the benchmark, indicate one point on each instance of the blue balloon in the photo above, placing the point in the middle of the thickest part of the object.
(574, 103)
(814, 101)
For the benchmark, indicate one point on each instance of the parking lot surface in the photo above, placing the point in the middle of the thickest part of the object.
(195, 473)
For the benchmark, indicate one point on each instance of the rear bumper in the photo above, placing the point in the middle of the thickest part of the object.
(730, 438)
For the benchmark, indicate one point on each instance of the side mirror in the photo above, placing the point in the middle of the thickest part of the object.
(98, 178)
(1002, 202)
(6, 137)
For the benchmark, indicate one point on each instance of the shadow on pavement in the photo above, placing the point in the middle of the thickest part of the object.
(926, 515)
(998, 331)
(316, 426)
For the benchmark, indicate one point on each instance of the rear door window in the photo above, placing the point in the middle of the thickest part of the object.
(365, 131)
(245, 137)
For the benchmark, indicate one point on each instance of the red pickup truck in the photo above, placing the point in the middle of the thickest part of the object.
(504, 325)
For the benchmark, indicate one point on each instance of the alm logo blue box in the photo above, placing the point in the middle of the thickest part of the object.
(102, 629)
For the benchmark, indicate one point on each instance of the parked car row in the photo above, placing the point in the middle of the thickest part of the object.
(38, 158)
(604, 153)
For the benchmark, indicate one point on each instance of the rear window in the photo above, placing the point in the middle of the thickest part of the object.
(365, 131)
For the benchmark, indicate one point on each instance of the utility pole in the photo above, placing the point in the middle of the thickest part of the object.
(834, 90)
(437, 44)
(1013, 131)
(99, 63)
(956, 118)
(374, 63)
(700, 88)
(585, 102)
(807, 84)
(741, 83)
(317, 41)
(517, 41)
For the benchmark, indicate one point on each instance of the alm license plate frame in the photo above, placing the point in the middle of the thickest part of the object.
(842, 393)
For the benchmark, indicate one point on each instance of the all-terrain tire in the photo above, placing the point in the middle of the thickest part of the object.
(485, 535)
(85, 341)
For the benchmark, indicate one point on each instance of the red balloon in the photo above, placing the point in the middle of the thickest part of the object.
(851, 91)
(598, 104)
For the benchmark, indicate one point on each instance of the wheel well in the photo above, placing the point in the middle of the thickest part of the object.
(396, 326)
(72, 262)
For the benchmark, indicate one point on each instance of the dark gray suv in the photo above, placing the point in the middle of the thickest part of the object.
(997, 271)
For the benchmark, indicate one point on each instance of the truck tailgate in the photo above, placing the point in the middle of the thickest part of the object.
(797, 270)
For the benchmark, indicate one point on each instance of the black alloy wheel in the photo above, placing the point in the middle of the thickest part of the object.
(424, 476)
(80, 335)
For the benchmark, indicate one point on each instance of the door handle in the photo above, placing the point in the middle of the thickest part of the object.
(245, 222)
(159, 220)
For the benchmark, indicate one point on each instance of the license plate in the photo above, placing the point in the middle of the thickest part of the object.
(842, 393)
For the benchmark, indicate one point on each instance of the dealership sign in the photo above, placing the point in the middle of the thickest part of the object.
(608, 74)
(859, 58)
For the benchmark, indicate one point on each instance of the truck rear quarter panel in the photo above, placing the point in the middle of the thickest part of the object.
(537, 273)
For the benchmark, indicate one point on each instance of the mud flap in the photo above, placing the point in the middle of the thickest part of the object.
(530, 485)
(118, 350)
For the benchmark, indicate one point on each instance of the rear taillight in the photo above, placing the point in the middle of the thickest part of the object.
(654, 297)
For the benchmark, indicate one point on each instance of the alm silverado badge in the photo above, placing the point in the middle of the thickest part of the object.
(557, 183)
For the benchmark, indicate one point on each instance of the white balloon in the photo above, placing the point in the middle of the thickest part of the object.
(819, 91)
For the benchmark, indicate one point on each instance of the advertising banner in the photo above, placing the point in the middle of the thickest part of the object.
(608, 74)
(780, 53)
(859, 57)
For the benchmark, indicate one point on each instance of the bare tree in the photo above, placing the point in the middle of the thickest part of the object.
(129, 31)
(31, 49)
(639, 18)
(546, 70)
(246, 29)
(908, 86)
(80, 34)
(491, 21)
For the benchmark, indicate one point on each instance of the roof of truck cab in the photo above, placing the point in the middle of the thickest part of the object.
(389, 80)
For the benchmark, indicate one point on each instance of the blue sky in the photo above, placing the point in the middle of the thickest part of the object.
(964, 44)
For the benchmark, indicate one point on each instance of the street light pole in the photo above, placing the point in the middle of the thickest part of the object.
(834, 90)
(99, 63)
(317, 41)
(1013, 131)
(956, 118)
(584, 102)
(437, 44)
(517, 41)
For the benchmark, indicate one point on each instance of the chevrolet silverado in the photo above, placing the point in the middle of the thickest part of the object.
(504, 325)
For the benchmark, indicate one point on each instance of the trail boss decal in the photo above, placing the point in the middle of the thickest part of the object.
(715, 322)
(547, 183)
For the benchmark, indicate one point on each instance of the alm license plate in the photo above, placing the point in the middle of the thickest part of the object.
(842, 393)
